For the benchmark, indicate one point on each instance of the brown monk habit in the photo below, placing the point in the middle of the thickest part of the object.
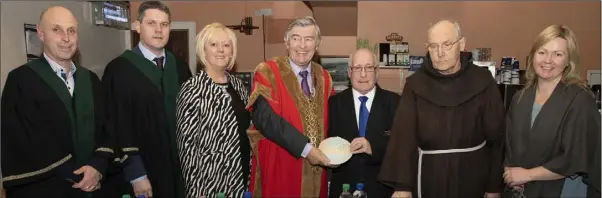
(442, 112)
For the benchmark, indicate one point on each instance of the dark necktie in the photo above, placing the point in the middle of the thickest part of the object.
(363, 121)
(304, 84)
(64, 75)
(159, 62)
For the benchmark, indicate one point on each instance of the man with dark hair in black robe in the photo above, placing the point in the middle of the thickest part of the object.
(142, 85)
(54, 143)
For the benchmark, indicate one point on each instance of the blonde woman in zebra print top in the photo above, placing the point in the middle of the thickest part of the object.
(212, 121)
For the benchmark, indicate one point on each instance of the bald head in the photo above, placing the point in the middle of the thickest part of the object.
(446, 27)
(445, 43)
(58, 32)
(56, 14)
(361, 54)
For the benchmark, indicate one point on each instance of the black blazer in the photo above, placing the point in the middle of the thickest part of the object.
(362, 168)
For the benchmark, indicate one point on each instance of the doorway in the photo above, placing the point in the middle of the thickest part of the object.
(181, 42)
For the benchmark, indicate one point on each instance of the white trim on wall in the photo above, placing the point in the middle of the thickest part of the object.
(191, 27)
(593, 77)
(175, 25)
(600, 45)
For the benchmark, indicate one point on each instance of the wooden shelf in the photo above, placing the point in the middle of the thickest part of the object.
(394, 67)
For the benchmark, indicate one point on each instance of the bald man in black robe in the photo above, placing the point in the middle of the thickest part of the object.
(53, 138)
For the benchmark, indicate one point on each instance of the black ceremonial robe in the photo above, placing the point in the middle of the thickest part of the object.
(563, 137)
(142, 100)
(47, 134)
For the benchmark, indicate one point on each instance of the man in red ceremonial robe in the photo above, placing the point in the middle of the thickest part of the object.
(289, 104)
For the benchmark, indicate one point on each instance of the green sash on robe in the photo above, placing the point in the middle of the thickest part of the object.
(80, 107)
(167, 81)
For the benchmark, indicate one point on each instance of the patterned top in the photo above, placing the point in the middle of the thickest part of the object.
(67, 78)
(209, 139)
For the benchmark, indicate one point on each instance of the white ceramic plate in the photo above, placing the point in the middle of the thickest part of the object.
(337, 149)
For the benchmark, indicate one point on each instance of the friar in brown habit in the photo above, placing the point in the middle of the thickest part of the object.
(447, 136)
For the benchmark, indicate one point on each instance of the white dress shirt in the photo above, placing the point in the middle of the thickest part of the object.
(60, 72)
(357, 102)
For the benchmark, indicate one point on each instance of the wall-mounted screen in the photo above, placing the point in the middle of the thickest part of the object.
(113, 14)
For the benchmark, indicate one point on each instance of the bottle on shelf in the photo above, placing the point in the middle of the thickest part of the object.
(345, 193)
(359, 191)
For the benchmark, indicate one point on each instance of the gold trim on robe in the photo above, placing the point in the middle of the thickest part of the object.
(259, 90)
(311, 111)
(129, 149)
(38, 172)
(254, 137)
(121, 160)
(103, 149)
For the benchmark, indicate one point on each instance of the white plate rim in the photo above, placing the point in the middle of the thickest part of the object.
(344, 159)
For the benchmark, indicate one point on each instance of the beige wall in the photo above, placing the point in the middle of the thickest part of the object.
(250, 47)
(509, 28)
(96, 50)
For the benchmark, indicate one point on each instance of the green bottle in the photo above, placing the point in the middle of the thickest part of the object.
(345, 193)
(125, 196)
(221, 195)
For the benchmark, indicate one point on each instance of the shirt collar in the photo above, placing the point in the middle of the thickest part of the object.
(148, 54)
(370, 94)
(56, 67)
(297, 68)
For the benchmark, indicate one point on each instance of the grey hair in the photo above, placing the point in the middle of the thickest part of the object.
(303, 22)
(374, 56)
(454, 22)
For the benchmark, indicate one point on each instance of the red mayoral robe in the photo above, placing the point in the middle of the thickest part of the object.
(286, 115)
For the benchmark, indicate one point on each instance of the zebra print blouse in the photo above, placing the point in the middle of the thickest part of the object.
(208, 137)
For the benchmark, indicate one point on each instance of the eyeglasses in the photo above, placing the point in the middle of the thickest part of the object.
(359, 69)
(433, 47)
